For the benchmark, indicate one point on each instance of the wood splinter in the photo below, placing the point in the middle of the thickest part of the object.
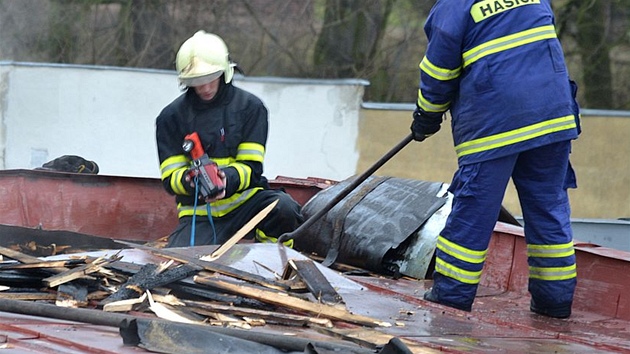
(242, 232)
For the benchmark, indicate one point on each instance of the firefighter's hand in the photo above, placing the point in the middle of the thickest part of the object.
(424, 124)
(188, 182)
(221, 194)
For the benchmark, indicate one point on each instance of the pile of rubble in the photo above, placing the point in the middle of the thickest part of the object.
(181, 289)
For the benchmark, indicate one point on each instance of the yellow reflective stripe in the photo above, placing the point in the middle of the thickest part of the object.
(223, 161)
(551, 251)
(508, 42)
(243, 170)
(176, 182)
(244, 173)
(441, 74)
(457, 273)
(262, 237)
(220, 207)
(189, 210)
(224, 206)
(488, 8)
(431, 107)
(168, 166)
(251, 152)
(553, 273)
(515, 136)
(461, 253)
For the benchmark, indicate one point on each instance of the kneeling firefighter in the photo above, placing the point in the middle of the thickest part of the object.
(231, 126)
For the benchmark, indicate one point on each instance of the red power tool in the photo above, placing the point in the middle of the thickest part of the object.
(204, 168)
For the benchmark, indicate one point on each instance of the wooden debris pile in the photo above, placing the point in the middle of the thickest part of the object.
(182, 289)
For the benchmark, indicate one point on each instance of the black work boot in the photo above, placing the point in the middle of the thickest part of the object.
(430, 295)
(563, 311)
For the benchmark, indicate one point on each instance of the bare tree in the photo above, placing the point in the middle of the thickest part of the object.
(597, 29)
(350, 36)
(593, 23)
(145, 29)
(381, 41)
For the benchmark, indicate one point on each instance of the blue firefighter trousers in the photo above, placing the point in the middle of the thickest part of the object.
(541, 176)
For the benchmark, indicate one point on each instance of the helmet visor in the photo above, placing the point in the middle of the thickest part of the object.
(201, 80)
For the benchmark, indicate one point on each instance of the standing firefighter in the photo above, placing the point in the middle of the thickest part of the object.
(231, 126)
(498, 66)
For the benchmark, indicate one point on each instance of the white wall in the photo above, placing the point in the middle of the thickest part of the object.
(107, 114)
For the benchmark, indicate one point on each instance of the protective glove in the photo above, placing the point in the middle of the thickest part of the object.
(425, 124)
(221, 194)
(188, 182)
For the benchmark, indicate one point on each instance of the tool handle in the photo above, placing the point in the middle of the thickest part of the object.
(204, 168)
(208, 173)
(346, 190)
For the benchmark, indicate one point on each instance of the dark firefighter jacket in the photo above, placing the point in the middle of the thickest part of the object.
(233, 131)
(499, 67)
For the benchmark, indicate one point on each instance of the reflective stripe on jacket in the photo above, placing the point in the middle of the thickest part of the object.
(498, 66)
(233, 131)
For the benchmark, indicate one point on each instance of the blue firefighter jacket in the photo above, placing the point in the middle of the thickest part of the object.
(499, 67)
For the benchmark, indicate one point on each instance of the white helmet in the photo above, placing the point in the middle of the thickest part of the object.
(202, 58)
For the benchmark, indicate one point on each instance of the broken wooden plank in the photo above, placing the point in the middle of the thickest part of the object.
(242, 232)
(126, 323)
(302, 295)
(203, 292)
(168, 299)
(98, 295)
(72, 294)
(33, 296)
(316, 282)
(294, 283)
(46, 264)
(223, 320)
(286, 300)
(168, 312)
(124, 305)
(255, 322)
(79, 272)
(18, 256)
(131, 288)
(150, 276)
(189, 288)
(212, 266)
(24, 258)
(269, 316)
(124, 267)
